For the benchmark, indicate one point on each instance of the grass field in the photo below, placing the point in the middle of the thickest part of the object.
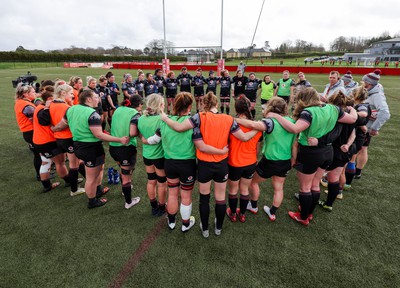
(53, 240)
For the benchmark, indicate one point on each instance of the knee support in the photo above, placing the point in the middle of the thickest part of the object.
(126, 172)
(187, 186)
(172, 185)
(161, 179)
(151, 176)
(46, 165)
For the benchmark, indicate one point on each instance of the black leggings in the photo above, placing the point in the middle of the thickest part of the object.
(37, 161)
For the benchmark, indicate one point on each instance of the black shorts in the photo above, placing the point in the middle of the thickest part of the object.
(48, 150)
(158, 163)
(340, 158)
(225, 93)
(66, 145)
(105, 105)
(91, 153)
(268, 168)
(286, 98)
(198, 92)
(367, 140)
(28, 137)
(124, 155)
(170, 96)
(214, 90)
(185, 89)
(263, 101)
(336, 163)
(309, 159)
(246, 172)
(185, 170)
(252, 98)
(217, 171)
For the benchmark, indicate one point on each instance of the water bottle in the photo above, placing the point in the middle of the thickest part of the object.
(116, 176)
(110, 175)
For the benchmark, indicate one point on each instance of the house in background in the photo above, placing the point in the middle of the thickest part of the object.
(196, 56)
(386, 50)
(248, 53)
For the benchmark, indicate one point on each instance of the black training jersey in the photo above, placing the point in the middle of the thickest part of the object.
(129, 87)
(171, 86)
(150, 87)
(113, 92)
(251, 87)
(198, 83)
(212, 84)
(160, 84)
(184, 80)
(239, 84)
(139, 84)
(225, 86)
(103, 92)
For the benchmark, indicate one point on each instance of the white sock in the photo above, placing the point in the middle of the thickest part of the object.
(186, 211)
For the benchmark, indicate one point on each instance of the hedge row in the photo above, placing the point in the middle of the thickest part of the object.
(58, 57)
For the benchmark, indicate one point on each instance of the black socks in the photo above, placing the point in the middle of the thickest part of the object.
(220, 208)
(127, 190)
(204, 208)
(306, 200)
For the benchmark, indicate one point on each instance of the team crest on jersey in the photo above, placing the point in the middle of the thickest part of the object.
(47, 155)
(239, 83)
(89, 163)
(190, 178)
(172, 84)
(251, 83)
(125, 162)
(71, 149)
(283, 85)
(151, 86)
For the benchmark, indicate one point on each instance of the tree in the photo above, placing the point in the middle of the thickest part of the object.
(21, 49)
(156, 47)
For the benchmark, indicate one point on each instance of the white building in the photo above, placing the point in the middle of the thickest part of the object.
(386, 50)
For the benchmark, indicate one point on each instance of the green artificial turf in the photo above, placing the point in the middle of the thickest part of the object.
(53, 240)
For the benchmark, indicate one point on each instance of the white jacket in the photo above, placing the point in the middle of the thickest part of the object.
(380, 109)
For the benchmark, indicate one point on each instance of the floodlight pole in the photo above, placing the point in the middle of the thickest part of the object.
(165, 44)
(222, 23)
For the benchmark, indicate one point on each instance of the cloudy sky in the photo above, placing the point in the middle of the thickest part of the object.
(56, 24)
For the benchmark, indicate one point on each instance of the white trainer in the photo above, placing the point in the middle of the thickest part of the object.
(192, 220)
(272, 217)
(251, 209)
(135, 201)
(172, 225)
(217, 231)
(205, 233)
(77, 192)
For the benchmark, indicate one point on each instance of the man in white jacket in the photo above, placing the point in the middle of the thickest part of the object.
(380, 114)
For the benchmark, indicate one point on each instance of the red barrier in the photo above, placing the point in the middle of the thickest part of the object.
(264, 69)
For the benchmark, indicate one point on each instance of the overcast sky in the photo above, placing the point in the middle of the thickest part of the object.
(56, 24)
